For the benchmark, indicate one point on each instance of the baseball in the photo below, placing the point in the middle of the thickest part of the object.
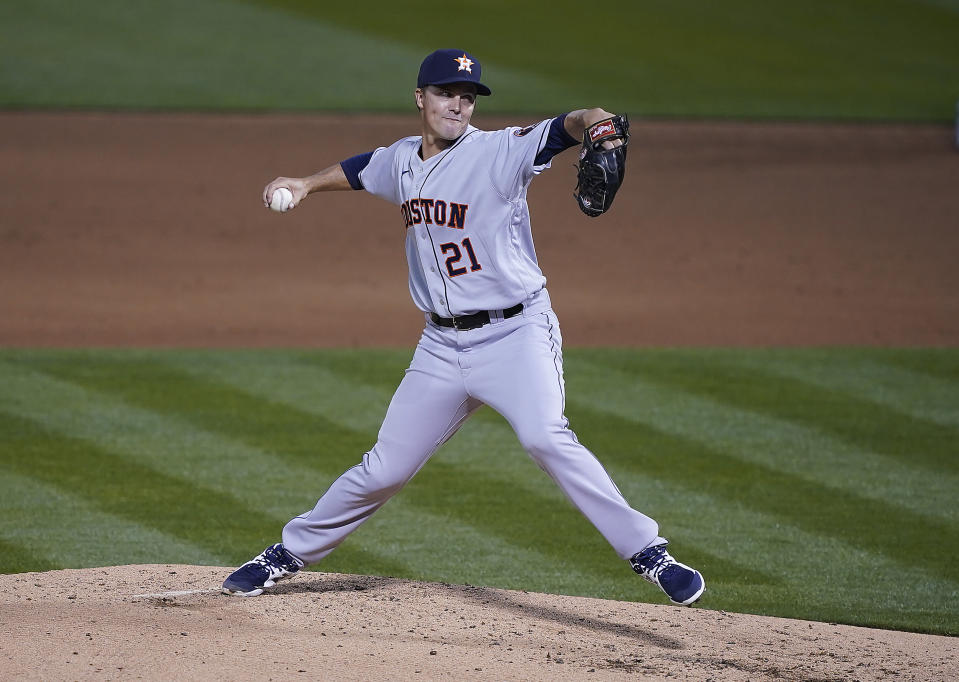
(281, 200)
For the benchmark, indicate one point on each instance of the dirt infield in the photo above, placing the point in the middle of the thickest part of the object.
(147, 230)
(169, 622)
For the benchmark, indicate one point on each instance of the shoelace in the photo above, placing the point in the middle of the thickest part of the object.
(655, 562)
(271, 559)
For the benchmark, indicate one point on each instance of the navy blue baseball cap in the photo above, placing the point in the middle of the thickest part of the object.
(451, 66)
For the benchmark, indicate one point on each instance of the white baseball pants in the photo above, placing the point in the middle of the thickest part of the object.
(516, 367)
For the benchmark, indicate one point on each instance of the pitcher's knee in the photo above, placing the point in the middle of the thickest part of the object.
(380, 478)
(545, 443)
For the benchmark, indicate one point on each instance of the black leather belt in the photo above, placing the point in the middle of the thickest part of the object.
(474, 321)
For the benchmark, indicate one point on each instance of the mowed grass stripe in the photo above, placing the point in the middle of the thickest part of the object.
(176, 433)
(259, 492)
(768, 441)
(479, 471)
(243, 421)
(71, 51)
(167, 445)
(57, 528)
(860, 522)
(107, 481)
(22, 557)
(908, 392)
(816, 576)
(863, 424)
(938, 363)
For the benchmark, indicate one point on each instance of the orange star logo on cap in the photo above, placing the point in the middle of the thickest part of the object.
(465, 63)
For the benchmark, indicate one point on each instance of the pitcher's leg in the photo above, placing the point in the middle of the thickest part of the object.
(426, 410)
(523, 381)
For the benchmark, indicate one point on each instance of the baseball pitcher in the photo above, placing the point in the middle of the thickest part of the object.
(490, 336)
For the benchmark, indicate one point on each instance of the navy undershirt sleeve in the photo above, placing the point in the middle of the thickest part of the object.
(557, 140)
(352, 167)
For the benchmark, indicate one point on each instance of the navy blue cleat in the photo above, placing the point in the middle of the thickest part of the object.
(262, 571)
(682, 584)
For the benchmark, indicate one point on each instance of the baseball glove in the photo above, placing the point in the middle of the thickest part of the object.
(600, 171)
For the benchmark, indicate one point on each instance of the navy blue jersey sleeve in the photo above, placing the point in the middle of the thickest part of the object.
(352, 167)
(557, 140)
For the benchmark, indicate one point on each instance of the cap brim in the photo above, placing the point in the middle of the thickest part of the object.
(480, 88)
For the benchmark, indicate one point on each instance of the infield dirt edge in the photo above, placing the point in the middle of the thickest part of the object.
(171, 621)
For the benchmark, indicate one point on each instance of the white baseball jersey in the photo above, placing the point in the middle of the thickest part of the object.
(468, 241)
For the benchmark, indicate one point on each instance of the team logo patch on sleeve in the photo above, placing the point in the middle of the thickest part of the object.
(601, 130)
(524, 131)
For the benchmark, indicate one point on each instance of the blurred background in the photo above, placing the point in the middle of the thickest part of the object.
(851, 60)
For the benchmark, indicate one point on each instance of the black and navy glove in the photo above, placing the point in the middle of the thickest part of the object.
(601, 169)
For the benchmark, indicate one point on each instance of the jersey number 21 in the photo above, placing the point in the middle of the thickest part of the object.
(456, 256)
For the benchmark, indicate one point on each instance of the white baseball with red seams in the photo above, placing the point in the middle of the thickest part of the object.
(469, 248)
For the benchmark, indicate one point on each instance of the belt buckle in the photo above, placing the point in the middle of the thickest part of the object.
(465, 323)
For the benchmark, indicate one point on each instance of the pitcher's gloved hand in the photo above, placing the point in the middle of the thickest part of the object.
(602, 164)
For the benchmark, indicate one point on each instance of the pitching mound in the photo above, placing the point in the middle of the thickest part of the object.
(171, 622)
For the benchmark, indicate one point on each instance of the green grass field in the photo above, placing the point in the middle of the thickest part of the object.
(837, 59)
(817, 484)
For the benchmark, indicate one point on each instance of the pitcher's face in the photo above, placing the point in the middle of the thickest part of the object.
(446, 109)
